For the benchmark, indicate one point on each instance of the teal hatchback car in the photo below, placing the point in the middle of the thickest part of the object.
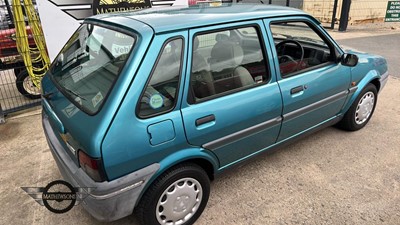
(146, 108)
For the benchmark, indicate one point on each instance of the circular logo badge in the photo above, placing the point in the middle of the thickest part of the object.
(156, 101)
(59, 196)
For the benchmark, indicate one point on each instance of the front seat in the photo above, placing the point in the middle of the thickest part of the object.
(225, 64)
(203, 82)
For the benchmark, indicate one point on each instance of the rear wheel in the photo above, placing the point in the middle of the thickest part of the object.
(26, 86)
(17, 71)
(18, 68)
(361, 111)
(178, 196)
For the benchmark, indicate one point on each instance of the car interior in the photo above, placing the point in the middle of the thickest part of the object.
(225, 61)
(298, 47)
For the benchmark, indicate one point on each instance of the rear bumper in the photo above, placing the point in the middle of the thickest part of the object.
(109, 200)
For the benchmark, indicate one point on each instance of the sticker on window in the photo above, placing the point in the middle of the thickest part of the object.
(97, 99)
(156, 101)
(76, 74)
(118, 50)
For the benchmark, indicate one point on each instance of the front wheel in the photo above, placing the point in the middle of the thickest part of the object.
(178, 196)
(361, 111)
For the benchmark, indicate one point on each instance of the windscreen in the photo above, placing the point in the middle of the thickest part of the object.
(89, 64)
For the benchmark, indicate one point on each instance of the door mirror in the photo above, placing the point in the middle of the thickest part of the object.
(349, 59)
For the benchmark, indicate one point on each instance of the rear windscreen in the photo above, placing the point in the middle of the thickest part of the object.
(88, 65)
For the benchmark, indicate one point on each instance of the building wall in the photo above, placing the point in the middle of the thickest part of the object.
(320, 9)
(361, 11)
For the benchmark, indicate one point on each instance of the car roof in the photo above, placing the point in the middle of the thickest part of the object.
(184, 17)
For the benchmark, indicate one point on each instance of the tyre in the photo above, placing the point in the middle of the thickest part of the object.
(26, 86)
(361, 110)
(178, 196)
(17, 71)
(20, 66)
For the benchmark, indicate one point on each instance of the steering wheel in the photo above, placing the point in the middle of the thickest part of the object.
(283, 58)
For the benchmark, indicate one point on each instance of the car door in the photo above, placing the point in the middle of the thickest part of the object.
(233, 102)
(313, 83)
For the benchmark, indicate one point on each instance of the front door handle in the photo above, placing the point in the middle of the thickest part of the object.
(296, 90)
(204, 120)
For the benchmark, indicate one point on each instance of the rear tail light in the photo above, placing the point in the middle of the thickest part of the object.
(92, 166)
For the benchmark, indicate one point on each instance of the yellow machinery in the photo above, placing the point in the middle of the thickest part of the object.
(35, 58)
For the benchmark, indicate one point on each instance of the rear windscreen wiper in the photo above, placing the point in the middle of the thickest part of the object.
(74, 93)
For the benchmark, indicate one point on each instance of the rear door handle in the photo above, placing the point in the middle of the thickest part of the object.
(204, 120)
(296, 89)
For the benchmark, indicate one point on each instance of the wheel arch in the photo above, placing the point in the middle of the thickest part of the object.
(372, 77)
(377, 84)
(201, 157)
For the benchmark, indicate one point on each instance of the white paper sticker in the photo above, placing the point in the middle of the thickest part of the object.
(70, 110)
(76, 74)
(97, 99)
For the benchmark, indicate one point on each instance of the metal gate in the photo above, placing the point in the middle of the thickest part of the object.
(323, 10)
(17, 92)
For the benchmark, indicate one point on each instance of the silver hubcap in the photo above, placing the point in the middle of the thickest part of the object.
(179, 202)
(30, 87)
(364, 107)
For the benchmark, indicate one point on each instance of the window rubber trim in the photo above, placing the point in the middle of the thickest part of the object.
(332, 47)
(137, 110)
(68, 96)
(191, 100)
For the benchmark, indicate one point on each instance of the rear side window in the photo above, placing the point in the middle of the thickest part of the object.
(161, 91)
(227, 61)
(89, 64)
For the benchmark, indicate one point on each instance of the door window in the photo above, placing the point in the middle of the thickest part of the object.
(227, 61)
(299, 47)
